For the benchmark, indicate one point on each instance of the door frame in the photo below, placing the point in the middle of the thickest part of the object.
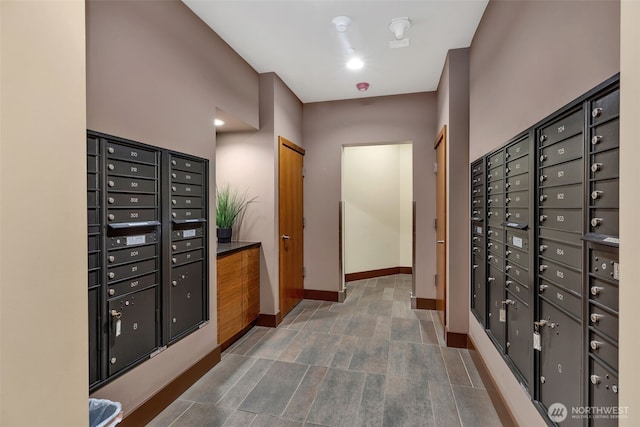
(441, 190)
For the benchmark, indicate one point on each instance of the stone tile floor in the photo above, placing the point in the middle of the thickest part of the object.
(370, 361)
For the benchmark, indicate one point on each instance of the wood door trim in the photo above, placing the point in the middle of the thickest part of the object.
(284, 141)
(441, 304)
(442, 136)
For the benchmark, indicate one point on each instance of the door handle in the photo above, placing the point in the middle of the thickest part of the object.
(440, 241)
(285, 237)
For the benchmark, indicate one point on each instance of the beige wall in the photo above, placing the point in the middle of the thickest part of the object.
(156, 74)
(378, 202)
(518, 75)
(629, 205)
(327, 126)
(43, 221)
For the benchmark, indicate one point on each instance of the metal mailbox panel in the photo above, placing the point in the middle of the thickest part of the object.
(132, 240)
(522, 291)
(186, 202)
(562, 174)
(516, 256)
(517, 215)
(187, 245)
(131, 185)
(519, 332)
(517, 273)
(137, 170)
(605, 194)
(604, 293)
(137, 336)
(132, 215)
(603, 391)
(560, 274)
(181, 214)
(477, 180)
(477, 250)
(561, 129)
(495, 200)
(477, 192)
(605, 165)
(92, 145)
(186, 257)
(560, 367)
(93, 199)
(606, 136)
(517, 199)
(518, 166)
(94, 335)
(93, 217)
(560, 251)
(606, 107)
(94, 243)
(561, 236)
(495, 297)
(495, 247)
(93, 164)
(518, 149)
(566, 196)
(604, 221)
(604, 264)
(495, 174)
(132, 254)
(127, 152)
(94, 278)
(131, 270)
(92, 181)
(495, 187)
(186, 305)
(563, 151)
(187, 233)
(476, 168)
(477, 213)
(478, 201)
(564, 299)
(497, 234)
(94, 260)
(495, 159)
(186, 190)
(603, 321)
(133, 199)
(495, 214)
(186, 164)
(562, 219)
(495, 261)
(132, 285)
(518, 240)
(603, 349)
(517, 183)
(186, 177)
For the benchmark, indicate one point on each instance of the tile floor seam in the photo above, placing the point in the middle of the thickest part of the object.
(294, 392)
(236, 381)
(181, 414)
(306, 417)
(466, 370)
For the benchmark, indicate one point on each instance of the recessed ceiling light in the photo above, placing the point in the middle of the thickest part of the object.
(355, 64)
(218, 122)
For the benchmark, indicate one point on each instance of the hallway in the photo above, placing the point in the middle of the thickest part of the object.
(370, 361)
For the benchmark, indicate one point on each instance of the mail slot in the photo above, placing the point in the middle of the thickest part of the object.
(605, 165)
(606, 107)
(517, 215)
(517, 183)
(495, 234)
(131, 270)
(568, 300)
(517, 256)
(495, 260)
(601, 347)
(131, 215)
(126, 152)
(186, 304)
(187, 233)
(561, 351)
(559, 251)
(495, 187)
(186, 177)
(132, 240)
(495, 214)
(495, 200)
(604, 264)
(132, 328)
(603, 321)
(564, 128)
(186, 245)
(605, 136)
(131, 199)
(603, 392)
(518, 149)
(186, 214)
(563, 151)
(131, 185)
(518, 166)
(495, 159)
(560, 274)
(132, 254)
(562, 174)
(566, 196)
(186, 202)
(604, 221)
(186, 164)
(186, 257)
(186, 190)
(132, 285)
(604, 293)
(517, 199)
(519, 332)
(138, 170)
(94, 334)
(93, 164)
(93, 216)
(561, 219)
(518, 240)
(495, 174)
(605, 194)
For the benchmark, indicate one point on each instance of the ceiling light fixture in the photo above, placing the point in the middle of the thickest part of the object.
(398, 26)
(362, 86)
(341, 23)
(218, 122)
(355, 63)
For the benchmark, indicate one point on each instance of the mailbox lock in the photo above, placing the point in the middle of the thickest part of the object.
(595, 317)
(543, 178)
(490, 213)
(116, 314)
(490, 279)
(173, 202)
(111, 258)
(508, 200)
(112, 275)
(112, 200)
(543, 267)
(475, 266)
(595, 290)
(543, 197)
(475, 249)
(174, 188)
(174, 282)
(596, 222)
(113, 360)
(475, 239)
(173, 175)
(543, 248)
(596, 139)
(507, 215)
(508, 283)
(489, 244)
(543, 218)
(111, 150)
(490, 257)
(112, 217)
(596, 194)
(595, 345)
(110, 166)
(173, 162)
(596, 112)
(596, 167)
(475, 202)
(507, 252)
(543, 380)
(506, 170)
(543, 138)
(173, 214)
(508, 267)
(543, 287)
(508, 301)
(543, 157)
(489, 190)
(595, 379)
(507, 185)
(111, 183)
(174, 260)
(112, 291)
(174, 247)
(614, 388)
(174, 320)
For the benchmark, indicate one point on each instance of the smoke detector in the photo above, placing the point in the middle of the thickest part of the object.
(362, 86)
(398, 26)
(341, 23)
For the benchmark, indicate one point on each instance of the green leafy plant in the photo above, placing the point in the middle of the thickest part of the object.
(230, 206)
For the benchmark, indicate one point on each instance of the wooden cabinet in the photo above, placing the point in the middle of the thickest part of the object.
(238, 291)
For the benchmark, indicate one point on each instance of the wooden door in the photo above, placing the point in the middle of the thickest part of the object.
(290, 203)
(441, 224)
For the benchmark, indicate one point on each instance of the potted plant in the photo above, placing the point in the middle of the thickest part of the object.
(230, 206)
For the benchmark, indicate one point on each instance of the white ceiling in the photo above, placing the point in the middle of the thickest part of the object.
(296, 40)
